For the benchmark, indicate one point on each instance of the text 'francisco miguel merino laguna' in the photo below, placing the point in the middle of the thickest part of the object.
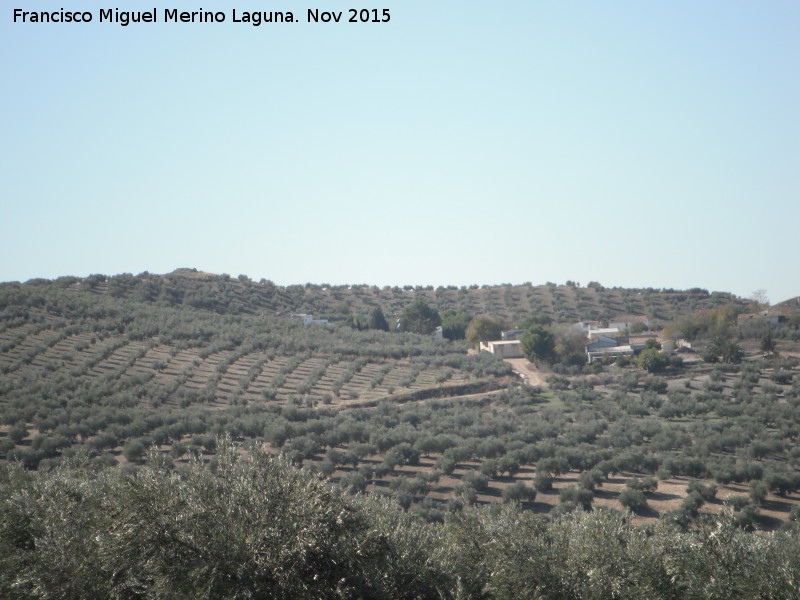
(173, 15)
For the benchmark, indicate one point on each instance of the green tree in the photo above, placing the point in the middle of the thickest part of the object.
(645, 484)
(454, 324)
(377, 320)
(419, 318)
(576, 495)
(358, 322)
(518, 492)
(767, 344)
(758, 491)
(543, 481)
(538, 344)
(652, 343)
(653, 360)
(483, 329)
(717, 322)
(570, 345)
(17, 432)
(134, 450)
(632, 499)
(724, 349)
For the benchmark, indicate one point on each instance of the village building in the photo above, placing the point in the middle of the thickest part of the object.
(599, 353)
(601, 346)
(309, 319)
(604, 332)
(503, 348)
(773, 320)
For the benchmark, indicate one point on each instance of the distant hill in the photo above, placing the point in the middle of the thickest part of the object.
(513, 303)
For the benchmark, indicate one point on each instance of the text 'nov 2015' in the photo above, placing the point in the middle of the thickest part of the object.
(125, 18)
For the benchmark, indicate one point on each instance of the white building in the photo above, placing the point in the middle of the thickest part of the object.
(503, 348)
(604, 332)
(309, 319)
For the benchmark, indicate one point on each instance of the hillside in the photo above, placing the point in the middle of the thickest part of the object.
(111, 367)
(228, 295)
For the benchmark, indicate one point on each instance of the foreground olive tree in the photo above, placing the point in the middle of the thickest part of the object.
(256, 528)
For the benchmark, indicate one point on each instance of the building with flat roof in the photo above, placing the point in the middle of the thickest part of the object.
(503, 348)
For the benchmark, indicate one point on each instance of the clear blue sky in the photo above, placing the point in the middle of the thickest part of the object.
(635, 144)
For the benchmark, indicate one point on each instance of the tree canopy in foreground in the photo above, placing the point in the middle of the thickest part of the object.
(255, 527)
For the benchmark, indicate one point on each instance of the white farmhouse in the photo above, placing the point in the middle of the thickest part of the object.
(503, 348)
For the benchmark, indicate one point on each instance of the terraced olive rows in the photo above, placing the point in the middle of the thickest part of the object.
(219, 379)
(512, 303)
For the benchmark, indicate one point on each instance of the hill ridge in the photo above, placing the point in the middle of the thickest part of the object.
(513, 303)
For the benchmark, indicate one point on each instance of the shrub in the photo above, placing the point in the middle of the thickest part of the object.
(737, 501)
(782, 377)
(543, 481)
(707, 492)
(577, 496)
(691, 504)
(758, 491)
(518, 492)
(134, 450)
(477, 480)
(645, 484)
(655, 384)
(591, 479)
(633, 499)
(17, 432)
(652, 360)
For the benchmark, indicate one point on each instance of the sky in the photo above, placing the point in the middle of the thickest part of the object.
(634, 144)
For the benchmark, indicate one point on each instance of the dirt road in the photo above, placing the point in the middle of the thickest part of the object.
(531, 374)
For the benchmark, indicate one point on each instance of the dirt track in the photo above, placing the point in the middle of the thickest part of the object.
(531, 374)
